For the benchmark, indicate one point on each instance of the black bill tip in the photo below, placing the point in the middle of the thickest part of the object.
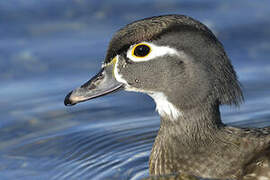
(67, 100)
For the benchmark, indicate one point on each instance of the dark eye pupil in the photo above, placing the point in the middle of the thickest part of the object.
(141, 50)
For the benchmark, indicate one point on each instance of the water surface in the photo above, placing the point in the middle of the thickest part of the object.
(49, 47)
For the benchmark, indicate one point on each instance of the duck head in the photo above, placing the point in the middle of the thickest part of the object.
(173, 58)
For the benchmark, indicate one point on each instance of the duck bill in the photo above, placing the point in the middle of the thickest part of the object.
(101, 84)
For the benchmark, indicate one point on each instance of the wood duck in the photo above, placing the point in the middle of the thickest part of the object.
(180, 63)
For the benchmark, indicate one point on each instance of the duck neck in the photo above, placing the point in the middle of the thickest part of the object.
(179, 139)
(199, 121)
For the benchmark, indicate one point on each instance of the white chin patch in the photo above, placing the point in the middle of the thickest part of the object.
(164, 107)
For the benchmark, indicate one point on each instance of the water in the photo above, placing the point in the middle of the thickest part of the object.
(49, 47)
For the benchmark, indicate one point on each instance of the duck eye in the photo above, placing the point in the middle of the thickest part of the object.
(141, 50)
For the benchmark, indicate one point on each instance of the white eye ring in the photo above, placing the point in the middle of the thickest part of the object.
(154, 51)
(141, 50)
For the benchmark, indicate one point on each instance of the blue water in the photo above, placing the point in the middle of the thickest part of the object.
(48, 48)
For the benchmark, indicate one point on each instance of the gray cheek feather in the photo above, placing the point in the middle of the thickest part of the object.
(142, 77)
(156, 74)
(183, 81)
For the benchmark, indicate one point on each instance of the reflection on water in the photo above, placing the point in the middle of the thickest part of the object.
(48, 48)
(116, 149)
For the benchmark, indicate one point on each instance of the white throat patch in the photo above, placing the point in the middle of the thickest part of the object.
(165, 107)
